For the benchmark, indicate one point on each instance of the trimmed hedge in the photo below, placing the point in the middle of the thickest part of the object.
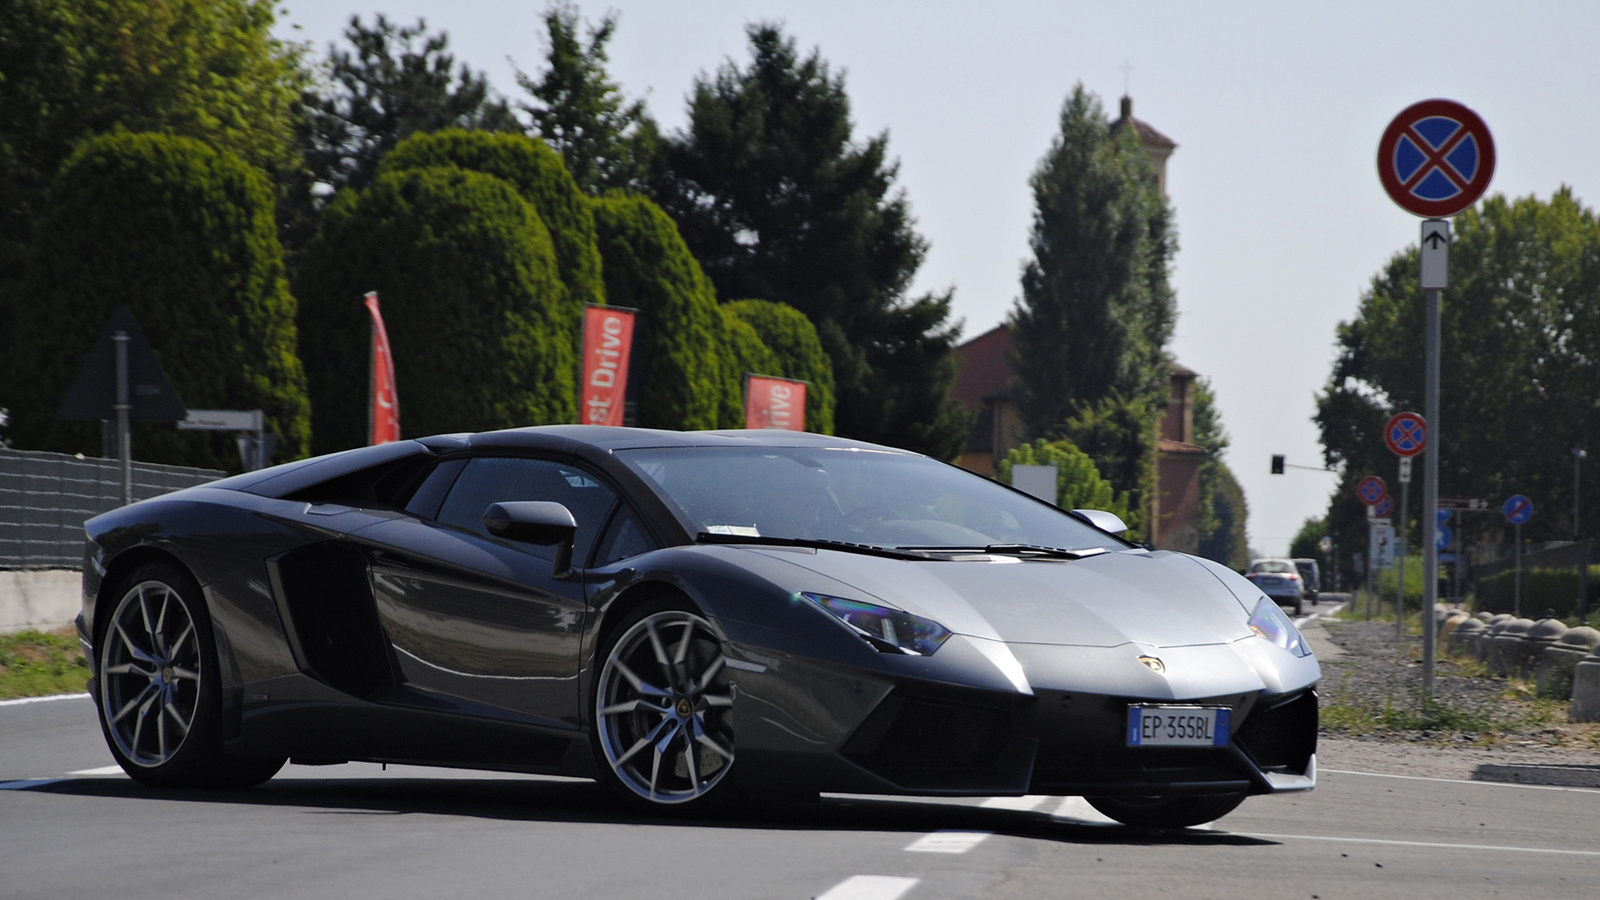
(539, 175)
(743, 353)
(467, 279)
(677, 377)
(184, 235)
(798, 351)
(1542, 589)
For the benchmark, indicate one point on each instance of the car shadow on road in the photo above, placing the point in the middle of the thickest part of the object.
(574, 801)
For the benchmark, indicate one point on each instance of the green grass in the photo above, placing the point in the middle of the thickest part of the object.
(38, 664)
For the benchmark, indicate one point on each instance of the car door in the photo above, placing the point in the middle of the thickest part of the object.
(480, 622)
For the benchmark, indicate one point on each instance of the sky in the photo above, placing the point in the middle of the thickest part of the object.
(1276, 108)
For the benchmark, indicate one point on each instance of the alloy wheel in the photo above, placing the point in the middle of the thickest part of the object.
(150, 673)
(664, 708)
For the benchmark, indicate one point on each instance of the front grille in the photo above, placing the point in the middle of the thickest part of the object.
(1281, 735)
(910, 734)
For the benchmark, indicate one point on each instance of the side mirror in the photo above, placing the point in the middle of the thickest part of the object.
(1105, 521)
(539, 522)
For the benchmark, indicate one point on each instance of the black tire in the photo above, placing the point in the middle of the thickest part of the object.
(662, 711)
(1166, 812)
(160, 701)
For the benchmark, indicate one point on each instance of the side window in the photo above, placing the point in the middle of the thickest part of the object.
(487, 480)
(626, 537)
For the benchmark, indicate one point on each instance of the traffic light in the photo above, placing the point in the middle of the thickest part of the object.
(1277, 464)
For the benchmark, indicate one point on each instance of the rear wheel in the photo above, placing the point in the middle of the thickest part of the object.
(160, 701)
(663, 724)
(1166, 812)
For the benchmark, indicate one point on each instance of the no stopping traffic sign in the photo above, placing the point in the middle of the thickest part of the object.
(1406, 434)
(1436, 158)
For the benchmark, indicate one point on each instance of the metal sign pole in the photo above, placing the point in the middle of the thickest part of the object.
(1430, 490)
(1400, 573)
(1516, 580)
(123, 408)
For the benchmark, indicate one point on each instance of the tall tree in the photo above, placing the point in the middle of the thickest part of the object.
(607, 141)
(394, 82)
(1096, 311)
(778, 201)
(1519, 361)
(1222, 507)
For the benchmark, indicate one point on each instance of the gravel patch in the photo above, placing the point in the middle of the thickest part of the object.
(1480, 727)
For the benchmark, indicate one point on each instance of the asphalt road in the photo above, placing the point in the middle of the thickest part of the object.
(71, 827)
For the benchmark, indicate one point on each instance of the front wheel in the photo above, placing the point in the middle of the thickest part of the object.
(663, 709)
(160, 701)
(1166, 812)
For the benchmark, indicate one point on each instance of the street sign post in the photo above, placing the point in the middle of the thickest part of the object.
(1517, 509)
(1435, 159)
(1406, 435)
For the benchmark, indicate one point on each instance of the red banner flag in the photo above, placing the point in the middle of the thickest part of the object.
(774, 403)
(607, 343)
(383, 411)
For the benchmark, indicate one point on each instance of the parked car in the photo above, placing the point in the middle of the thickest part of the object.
(1310, 577)
(686, 616)
(1280, 580)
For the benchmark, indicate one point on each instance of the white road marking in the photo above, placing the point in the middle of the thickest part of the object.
(1429, 844)
(1512, 784)
(947, 841)
(44, 699)
(1077, 809)
(27, 783)
(103, 770)
(869, 887)
(1019, 804)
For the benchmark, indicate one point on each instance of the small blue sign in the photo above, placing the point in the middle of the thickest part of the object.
(1442, 516)
(1518, 509)
(1442, 537)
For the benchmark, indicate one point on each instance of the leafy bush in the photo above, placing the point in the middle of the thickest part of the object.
(182, 234)
(1542, 589)
(677, 377)
(467, 280)
(1078, 482)
(798, 353)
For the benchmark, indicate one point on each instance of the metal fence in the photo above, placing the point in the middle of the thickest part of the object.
(45, 498)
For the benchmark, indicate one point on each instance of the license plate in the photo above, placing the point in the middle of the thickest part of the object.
(1178, 726)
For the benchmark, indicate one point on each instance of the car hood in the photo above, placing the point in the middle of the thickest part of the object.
(1158, 599)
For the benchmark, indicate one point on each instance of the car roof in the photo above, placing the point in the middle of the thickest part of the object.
(610, 438)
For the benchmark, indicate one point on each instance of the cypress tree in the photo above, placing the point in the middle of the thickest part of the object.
(183, 234)
(467, 279)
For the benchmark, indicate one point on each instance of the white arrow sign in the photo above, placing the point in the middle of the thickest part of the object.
(1435, 254)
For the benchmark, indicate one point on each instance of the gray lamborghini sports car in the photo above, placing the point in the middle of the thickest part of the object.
(688, 617)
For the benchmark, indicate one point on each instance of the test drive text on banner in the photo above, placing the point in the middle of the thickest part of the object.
(607, 344)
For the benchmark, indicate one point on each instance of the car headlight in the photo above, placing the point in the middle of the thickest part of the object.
(890, 630)
(1268, 621)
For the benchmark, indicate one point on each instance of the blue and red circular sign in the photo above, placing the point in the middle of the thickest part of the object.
(1384, 507)
(1436, 158)
(1518, 509)
(1406, 434)
(1371, 489)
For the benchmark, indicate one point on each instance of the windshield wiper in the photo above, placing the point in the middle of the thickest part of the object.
(1037, 550)
(706, 537)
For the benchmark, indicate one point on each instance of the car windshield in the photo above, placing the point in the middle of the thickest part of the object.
(1272, 567)
(878, 498)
